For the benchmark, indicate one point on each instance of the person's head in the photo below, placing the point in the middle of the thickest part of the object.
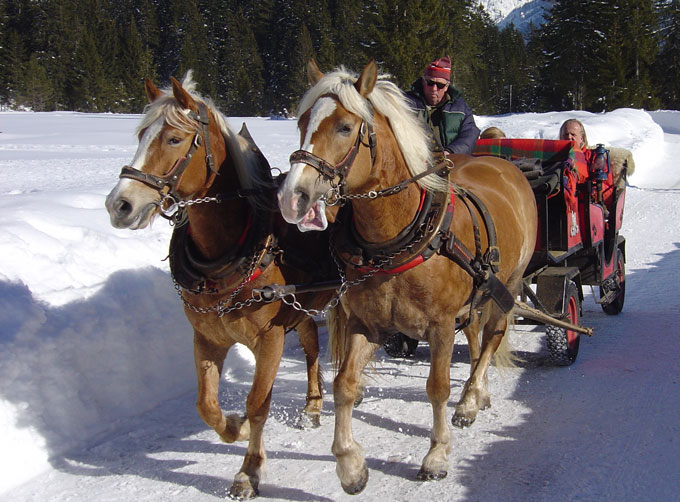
(436, 79)
(492, 133)
(573, 130)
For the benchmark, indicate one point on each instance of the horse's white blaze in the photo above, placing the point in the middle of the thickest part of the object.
(288, 196)
(321, 110)
(145, 142)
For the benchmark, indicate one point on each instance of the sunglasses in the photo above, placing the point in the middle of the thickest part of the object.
(438, 85)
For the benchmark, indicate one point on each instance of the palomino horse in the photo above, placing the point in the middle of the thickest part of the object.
(229, 239)
(360, 143)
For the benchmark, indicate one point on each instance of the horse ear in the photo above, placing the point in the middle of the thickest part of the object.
(182, 96)
(313, 72)
(367, 80)
(152, 91)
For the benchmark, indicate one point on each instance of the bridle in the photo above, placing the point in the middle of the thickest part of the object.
(340, 170)
(166, 185)
(336, 195)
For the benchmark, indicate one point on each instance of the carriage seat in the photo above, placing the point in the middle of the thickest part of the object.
(543, 176)
(550, 166)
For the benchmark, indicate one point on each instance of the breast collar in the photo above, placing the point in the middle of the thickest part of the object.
(417, 242)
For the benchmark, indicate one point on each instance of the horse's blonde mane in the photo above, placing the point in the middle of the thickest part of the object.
(238, 148)
(388, 100)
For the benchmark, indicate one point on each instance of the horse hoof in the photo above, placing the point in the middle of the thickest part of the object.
(353, 489)
(461, 422)
(425, 475)
(242, 492)
(243, 489)
(309, 421)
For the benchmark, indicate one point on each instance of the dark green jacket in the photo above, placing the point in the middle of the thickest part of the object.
(451, 120)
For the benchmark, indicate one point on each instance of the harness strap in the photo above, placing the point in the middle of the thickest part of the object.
(481, 268)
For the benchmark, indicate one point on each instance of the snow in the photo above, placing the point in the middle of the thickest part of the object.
(521, 13)
(96, 367)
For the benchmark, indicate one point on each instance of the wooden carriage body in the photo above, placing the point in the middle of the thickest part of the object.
(576, 227)
(578, 241)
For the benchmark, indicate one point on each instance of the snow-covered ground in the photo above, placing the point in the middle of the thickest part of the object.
(96, 367)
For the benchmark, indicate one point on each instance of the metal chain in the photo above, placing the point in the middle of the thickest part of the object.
(291, 300)
(334, 197)
(177, 205)
(219, 307)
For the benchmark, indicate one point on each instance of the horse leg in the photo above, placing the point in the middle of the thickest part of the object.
(436, 462)
(351, 466)
(472, 334)
(209, 359)
(475, 395)
(309, 339)
(267, 359)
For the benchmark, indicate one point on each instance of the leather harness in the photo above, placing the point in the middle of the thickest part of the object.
(424, 236)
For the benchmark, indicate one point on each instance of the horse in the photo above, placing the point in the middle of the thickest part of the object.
(408, 258)
(229, 242)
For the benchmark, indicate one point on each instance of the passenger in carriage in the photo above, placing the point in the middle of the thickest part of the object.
(440, 105)
(573, 130)
(492, 133)
(619, 158)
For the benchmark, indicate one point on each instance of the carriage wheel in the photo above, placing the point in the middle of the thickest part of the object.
(563, 343)
(616, 305)
(400, 345)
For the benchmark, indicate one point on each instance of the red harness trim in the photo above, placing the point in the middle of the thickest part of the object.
(418, 259)
(406, 266)
(242, 239)
(213, 285)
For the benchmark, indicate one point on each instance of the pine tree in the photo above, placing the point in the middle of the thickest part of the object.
(195, 51)
(574, 61)
(85, 81)
(61, 26)
(4, 67)
(632, 48)
(13, 57)
(404, 36)
(667, 65)
(136, 65)
(241, 86)
(347, 33)
(36, 90)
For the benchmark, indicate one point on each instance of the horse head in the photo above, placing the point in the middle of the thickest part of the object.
(331, 139)
(175, 158)
(357, 135)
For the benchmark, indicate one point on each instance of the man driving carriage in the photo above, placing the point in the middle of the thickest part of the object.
(440, 105)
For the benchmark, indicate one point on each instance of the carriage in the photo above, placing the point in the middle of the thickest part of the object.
(580, 199)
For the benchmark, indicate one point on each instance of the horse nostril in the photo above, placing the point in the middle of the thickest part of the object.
(122, 208)
(302, 202)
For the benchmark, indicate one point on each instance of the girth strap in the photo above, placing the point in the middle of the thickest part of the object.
(481, 267)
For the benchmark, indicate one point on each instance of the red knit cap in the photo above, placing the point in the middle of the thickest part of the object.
(440, 68)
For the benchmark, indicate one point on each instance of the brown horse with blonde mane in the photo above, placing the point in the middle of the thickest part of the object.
(412, 264)
(229, 240)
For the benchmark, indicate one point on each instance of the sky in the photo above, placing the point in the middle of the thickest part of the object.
(97, 383)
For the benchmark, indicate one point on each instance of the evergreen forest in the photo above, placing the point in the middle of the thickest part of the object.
(250, 56)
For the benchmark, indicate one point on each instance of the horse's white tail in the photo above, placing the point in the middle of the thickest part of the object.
(505, 356)
(337, 334)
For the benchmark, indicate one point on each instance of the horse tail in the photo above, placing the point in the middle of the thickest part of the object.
(505, 356)
(337, 334)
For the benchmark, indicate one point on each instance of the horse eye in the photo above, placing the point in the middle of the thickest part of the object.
(174, 140)
(345, 129)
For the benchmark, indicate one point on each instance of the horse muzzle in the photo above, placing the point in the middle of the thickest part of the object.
(130, 210)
